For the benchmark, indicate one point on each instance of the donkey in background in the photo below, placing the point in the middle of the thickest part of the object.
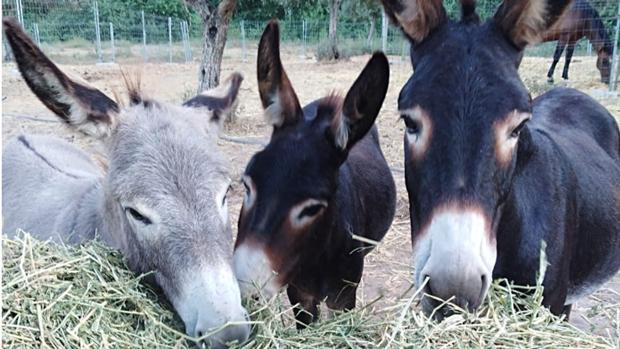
(581, 20)
(161, 202)
(490, 173)
(321, 179)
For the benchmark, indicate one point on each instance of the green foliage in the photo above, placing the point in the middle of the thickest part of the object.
(117, 9)
(281, 9)
(608, 11)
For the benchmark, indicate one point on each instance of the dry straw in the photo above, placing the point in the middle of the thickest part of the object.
(76, 297)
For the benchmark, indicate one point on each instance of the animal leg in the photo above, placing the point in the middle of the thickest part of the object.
(556, 290)
(566, 311)
(349, 301)
(346, 299)
(569, 55)
(305, 307)
(559, 48)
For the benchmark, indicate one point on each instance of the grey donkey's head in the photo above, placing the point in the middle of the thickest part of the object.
(165, 187)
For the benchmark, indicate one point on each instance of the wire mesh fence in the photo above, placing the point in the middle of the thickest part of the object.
(77, 31)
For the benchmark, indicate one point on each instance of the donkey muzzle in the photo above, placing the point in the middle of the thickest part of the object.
(209, 303)
(254, 272)
(455, 256)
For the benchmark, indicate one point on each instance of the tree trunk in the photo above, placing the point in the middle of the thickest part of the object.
(215, 22)
(333, 29)
(371, 33)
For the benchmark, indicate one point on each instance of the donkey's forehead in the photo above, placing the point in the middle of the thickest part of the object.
(466, 73)
(297, 164)
(167, 143)
(151, 120)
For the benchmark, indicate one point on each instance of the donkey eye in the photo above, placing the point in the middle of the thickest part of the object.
(225, 198)
(248, 201)
(138, 216)
(311, 211)
(517, 131)
(413, 127)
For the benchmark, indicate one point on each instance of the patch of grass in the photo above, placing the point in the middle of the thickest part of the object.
(71, 297)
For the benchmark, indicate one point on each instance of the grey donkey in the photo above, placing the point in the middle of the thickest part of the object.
(161, 200)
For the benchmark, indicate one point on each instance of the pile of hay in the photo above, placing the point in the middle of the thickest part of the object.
(69, 297)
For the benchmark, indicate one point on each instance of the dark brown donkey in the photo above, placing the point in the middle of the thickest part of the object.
(581, 20)
(321, 181)
(492, 174)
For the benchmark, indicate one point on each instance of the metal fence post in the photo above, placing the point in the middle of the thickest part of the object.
(169, 40)
(144, 36)
(304, 29)
(614, 64)
(37, 36)
(112, 42)
(243, 48)
(17, 11)
(384, 31)
(189, 47)
(184, 38)
(97, 33)
(7, 56)
(20, 12)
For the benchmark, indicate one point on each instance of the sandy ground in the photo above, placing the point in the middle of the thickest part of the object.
(388, 269)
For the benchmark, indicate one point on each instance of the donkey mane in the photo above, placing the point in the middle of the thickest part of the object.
(468, 12)
(133, 88)
(332, 103)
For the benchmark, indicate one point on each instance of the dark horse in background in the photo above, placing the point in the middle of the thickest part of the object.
(581, 20)
(492, 174)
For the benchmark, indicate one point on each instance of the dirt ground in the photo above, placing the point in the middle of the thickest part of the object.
(388, 270)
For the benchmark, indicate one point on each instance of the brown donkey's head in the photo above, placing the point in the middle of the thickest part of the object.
(465, 110)
(291, 184)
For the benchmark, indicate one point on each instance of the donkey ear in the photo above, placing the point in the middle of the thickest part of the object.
(79, 105)
(417, 18)
(525, 21)
(281, 105)
(362, 103)
(220, 100)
